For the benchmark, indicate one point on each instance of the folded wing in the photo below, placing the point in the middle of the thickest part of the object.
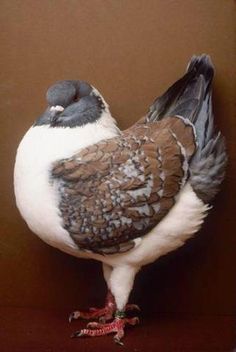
(117, 190)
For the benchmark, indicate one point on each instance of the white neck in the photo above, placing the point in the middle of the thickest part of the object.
(48, 144)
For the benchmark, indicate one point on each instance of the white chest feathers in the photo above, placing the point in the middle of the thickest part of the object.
(36, 197)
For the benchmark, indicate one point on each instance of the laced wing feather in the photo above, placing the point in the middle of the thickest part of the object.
(117, 190)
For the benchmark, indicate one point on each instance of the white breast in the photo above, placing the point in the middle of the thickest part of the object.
(36, 198)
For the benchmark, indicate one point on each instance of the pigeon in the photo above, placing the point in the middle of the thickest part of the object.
(124, 198)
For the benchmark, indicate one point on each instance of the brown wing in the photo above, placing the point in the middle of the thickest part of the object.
(117, 190)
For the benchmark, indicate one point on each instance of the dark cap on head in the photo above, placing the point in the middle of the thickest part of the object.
(64, 93)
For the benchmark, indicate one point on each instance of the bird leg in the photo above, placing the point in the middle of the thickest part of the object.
(116, 326)
(120, 281)
(102, 314)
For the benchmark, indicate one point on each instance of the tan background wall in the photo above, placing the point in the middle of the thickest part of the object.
(131, 51)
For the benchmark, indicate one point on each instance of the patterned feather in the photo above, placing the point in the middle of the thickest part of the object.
(118, 190)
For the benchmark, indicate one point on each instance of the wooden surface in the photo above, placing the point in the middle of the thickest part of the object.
(131, 51)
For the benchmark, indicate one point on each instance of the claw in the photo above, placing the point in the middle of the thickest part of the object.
(118, 341)
(103, 319)
(92, 309)
(77, 333)
(118, 336)
(133, 307)
(74, 315)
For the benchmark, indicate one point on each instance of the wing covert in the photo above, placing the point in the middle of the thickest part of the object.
(118, 189)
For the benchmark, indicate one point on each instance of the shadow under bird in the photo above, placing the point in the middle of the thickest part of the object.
(124, 198)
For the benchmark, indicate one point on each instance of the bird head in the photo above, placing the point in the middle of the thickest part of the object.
(71, 104)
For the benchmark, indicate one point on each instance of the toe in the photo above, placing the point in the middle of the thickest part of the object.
(93, 325)
(132, 321)
(118, 336)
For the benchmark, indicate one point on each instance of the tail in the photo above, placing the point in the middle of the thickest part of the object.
(185, 96)
(190, 98)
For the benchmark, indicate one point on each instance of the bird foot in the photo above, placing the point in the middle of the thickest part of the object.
(116, 326)
(102, 314)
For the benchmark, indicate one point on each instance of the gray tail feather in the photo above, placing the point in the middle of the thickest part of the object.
(190, 97)
(207, 167)
(185, 96)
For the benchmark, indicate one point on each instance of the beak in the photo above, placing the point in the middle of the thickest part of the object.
(55, 112)
(53, 117)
